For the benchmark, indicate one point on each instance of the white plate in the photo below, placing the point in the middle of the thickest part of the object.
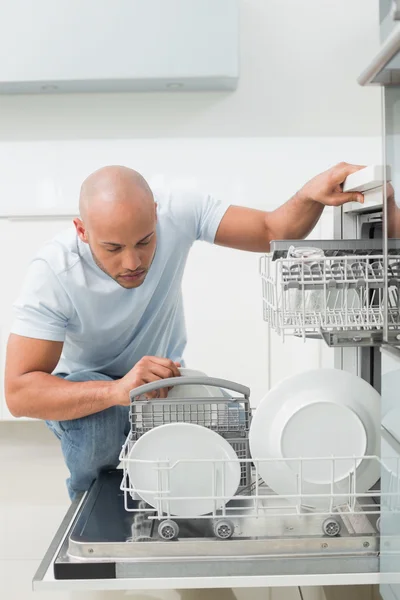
(319, 413)
(203, 413)
(174, 442)
(194, 391)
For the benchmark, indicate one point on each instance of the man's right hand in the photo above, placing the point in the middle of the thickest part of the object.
(147, 370)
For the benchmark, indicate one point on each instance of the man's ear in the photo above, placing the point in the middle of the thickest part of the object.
(81, 230)
(155, 210)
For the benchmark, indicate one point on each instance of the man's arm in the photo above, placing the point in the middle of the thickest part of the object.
(31, 390)
(252, 230)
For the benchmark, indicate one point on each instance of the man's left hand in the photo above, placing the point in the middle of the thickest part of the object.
(326, 188)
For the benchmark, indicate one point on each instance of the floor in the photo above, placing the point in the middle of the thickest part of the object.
(33, 500)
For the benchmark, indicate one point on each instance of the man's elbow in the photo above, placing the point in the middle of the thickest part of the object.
(14, 410)
(13, 396)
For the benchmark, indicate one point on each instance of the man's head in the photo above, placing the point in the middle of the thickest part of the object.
(118, 221)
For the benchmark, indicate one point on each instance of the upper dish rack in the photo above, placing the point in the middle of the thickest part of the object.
(340, 296)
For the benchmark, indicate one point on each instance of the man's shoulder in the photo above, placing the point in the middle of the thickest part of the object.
(177, 196)
(190, 212)
(179, 205)
(61, 252)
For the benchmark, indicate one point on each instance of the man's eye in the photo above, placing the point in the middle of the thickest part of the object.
(144, 243)
(113, 249)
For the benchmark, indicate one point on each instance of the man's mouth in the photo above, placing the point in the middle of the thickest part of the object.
(133, 276)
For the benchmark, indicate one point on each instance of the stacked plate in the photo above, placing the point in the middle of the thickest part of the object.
(183, 406)
(188, 470)
(311, 435)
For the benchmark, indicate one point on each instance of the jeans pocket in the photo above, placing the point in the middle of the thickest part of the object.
(70, 425)
(55, 428)
(60, 427)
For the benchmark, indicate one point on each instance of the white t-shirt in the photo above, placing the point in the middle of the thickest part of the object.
(66, 297)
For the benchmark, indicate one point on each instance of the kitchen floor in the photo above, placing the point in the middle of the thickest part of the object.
(33, 500)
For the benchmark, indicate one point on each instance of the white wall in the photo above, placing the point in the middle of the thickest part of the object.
(298, 109)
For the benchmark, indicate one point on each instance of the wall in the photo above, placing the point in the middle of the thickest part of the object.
(298, 109)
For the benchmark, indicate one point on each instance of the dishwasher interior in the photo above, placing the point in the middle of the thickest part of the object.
(110, 533)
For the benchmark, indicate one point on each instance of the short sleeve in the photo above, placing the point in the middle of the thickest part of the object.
(43, 307)
(196, 214)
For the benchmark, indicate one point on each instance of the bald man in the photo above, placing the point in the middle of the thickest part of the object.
(101, 313)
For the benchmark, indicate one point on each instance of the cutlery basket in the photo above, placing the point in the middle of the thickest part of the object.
(229, 416)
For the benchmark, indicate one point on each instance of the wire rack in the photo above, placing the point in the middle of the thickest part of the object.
(303, 297)
(341, 495)
(339, 500)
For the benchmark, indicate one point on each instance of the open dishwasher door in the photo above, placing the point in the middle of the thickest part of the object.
(91, 552)
(111, 539)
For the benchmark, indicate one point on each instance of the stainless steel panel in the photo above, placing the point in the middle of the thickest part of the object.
(388, 12)
(391, 210)
(390, 476)
(384, 68)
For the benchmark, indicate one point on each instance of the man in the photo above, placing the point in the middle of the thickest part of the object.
(101, 311)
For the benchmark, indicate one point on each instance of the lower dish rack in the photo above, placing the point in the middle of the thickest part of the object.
(253, 533)
(256, 514)
(339, 297)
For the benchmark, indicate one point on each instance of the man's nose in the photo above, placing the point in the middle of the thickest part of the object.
(131, 261)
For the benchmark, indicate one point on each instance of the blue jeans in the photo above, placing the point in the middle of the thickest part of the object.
(91, 443)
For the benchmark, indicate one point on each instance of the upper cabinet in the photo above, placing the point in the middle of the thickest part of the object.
(120, 46)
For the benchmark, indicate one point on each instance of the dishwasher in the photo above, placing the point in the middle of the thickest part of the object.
(111, 539)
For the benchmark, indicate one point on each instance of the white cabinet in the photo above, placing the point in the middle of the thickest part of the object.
(20, 240)
(283, 593)
(339, 592)
(348, 592)
(313, 593)
(124, 46)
